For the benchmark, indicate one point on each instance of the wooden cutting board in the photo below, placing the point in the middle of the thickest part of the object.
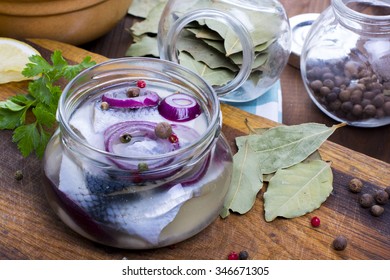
(30, 230)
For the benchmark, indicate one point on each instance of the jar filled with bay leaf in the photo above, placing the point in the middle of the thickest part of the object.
(240, 47)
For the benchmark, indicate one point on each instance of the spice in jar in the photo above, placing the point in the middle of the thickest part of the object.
(349, 88)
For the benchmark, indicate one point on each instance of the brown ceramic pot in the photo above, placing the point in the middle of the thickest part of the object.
(70, 21)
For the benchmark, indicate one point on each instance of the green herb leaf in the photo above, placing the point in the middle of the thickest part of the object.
(298, 190)
(27, 137)
(42, 98)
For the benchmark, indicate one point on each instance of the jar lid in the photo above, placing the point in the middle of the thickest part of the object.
(300, 27)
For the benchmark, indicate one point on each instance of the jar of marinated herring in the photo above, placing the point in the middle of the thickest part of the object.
(240, 47)
(345, 62)
(139, 160)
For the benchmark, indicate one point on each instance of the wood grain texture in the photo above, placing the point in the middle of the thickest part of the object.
(30, 230)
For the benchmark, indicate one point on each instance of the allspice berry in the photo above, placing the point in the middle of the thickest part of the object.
(340, 243)
(388, 190)
(377, 210)
(382, 197)
(366, 200)
(355, 185)
(163, 130)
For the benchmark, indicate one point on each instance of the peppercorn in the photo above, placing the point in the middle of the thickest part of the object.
(104, 106)
(243, 255)
(125, 138)
(340, 243)
(382, 197)
(141, 83)
(315, 222)
(233, 256)
(133, 92)
(366, 200)
(355, 185)
(388, 190)
(163, 130)
(377, 210)
(143, 166)
(18, 175)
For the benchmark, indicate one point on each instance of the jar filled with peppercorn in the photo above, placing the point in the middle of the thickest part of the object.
(345, 62)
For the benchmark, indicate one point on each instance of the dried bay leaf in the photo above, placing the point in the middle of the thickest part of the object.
(205, 33)
(141, 8)
(202, 52)
(150, 23)
(298, 190)
(246, 182)
(218, 76)
(285, 146)
(143, 46)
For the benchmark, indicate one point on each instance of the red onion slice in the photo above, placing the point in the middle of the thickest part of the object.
(147, 99)
(179, 107)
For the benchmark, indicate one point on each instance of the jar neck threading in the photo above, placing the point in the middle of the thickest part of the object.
(360, 22)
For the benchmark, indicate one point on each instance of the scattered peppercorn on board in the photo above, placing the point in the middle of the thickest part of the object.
(29, 229)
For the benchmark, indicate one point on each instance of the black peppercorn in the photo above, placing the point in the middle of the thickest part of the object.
(243, 255)
(125, 138)
(376, 210)
(340, 243)
(388, 191)
(381, 197)
(366, 200)
(18, 175)
(355, 185)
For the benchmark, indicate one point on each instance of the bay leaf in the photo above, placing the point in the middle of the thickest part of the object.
(143, 46)
(260, 59)
(246, 182)
(205, 33)
(150, 23)
(314, 156)
(202, 52)
(298, 190)
(218, 45)
(285, 146)
(218, 76)
(141, 8)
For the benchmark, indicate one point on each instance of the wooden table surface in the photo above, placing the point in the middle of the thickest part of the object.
(297, 106)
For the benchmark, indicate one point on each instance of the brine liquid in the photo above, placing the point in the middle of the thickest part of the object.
(144, 217)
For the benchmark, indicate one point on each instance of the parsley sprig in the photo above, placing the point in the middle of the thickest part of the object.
(33, 133)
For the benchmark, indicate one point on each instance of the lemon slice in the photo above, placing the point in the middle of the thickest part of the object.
(14, 56)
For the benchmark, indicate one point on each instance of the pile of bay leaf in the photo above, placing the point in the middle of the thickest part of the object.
(206, 46)
(286, 157)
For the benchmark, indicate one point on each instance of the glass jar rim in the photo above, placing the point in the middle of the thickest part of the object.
(346, 12)
(206, 139)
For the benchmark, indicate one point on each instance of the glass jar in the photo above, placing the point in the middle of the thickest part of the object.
(345, 62)
(239, 46)
(149, 190)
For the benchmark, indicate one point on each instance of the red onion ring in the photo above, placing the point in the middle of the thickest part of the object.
(148, 99)
(179, 107)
